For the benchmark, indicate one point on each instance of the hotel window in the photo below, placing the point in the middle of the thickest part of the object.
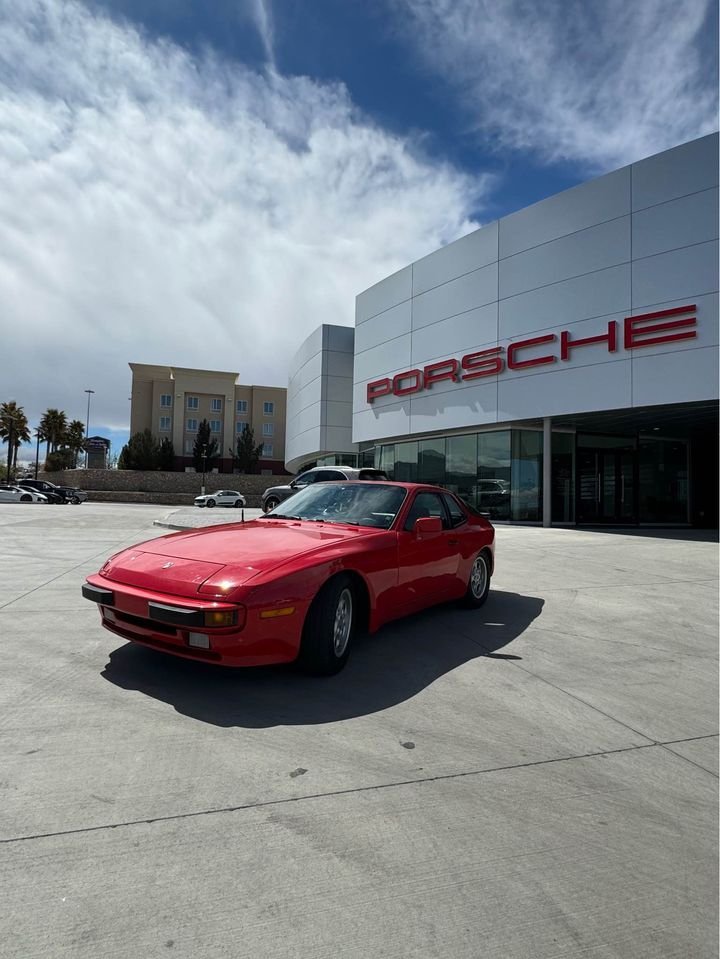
(216, 406)
(268, 429)
(267, 449)
(241, 406)
(189, 446)
(165, 423)
(193, 402)
(240, 426)
(166, 401)
(192, 426)
(214, 426)
(268, 409)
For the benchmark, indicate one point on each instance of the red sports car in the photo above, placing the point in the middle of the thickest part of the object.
(298, 582)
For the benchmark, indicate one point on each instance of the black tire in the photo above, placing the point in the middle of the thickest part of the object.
(74, 500)
(238, 503)
(479, 581)
(270, 503)
(324, 650)
(210, 503)
(26, 499)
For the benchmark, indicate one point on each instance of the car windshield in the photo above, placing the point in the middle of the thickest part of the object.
(358, 504)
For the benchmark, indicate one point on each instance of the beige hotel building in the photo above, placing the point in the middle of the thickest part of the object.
(171, 401)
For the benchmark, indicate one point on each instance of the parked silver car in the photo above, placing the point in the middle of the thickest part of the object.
(223, 497)
(15, 494)
(275, 495)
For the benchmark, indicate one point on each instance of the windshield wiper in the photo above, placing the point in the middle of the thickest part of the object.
(279, 516)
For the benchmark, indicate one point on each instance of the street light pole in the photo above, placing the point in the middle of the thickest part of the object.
(87, 427)
(38, 434)
(203, 456)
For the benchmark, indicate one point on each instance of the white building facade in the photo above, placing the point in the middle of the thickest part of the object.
(559, 365)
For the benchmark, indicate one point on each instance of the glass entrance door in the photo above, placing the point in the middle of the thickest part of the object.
(606, 486)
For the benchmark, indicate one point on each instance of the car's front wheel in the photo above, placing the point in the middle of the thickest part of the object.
(210, 503)
(75, 500)
(479, 582)
(329, 628)
(26, 499)
(270, 503)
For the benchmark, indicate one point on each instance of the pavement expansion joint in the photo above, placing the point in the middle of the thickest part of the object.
(355, 790)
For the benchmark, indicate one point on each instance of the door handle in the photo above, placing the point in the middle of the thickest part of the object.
(453, 542)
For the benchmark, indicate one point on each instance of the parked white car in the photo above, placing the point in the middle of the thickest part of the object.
(223, 497)
(13, 494)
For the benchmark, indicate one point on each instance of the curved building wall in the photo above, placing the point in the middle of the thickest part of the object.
(474, 334)
(319, 397)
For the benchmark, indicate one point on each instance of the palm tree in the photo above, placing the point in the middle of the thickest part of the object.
(73, 439)
(53, 425)
(13, 430)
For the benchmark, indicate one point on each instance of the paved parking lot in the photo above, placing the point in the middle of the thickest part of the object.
(535, 779)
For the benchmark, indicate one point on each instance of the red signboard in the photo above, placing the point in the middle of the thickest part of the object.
(646, 329)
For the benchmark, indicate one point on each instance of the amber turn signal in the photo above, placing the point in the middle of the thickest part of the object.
(225, 617)
(272, 613)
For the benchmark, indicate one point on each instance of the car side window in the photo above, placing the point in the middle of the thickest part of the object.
(324, 476)
(457, 517)
(304, 479)
(425, 504)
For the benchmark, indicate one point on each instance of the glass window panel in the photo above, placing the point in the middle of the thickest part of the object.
(563, 477)
(526, 489)
(461, 466)
(431, 461)
(406, 463)
(597, 442)
(663, 481)
(493, 474)
(386, 460)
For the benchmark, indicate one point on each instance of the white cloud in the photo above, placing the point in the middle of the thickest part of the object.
(164, 209)
(262, 12)
(603, 83)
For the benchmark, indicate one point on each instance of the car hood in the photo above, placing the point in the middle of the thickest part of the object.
(182, 562)
(276, 489)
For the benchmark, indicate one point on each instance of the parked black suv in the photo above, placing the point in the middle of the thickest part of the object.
(275, 495)
(69, 494)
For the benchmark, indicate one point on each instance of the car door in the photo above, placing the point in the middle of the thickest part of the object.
(427, 566)
(463, 538)
(9, 494)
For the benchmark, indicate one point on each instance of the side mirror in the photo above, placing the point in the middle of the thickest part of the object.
(293, 485)
(428, 526)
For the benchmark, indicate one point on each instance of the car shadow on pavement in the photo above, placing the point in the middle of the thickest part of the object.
(389, 667)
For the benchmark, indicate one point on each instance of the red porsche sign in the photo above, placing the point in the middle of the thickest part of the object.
(646, 329)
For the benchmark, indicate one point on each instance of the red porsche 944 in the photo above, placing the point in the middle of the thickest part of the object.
(300, 581)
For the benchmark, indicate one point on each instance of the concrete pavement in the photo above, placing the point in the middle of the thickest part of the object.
(535, 779)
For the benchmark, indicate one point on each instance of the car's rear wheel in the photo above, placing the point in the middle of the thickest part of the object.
(210, 503)
(238, 503)
(479, 581)
(270, 503)
(329, 628)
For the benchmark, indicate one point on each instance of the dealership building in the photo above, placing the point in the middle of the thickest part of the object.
(557, 366)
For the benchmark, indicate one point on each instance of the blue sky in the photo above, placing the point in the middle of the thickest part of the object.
(202, 183)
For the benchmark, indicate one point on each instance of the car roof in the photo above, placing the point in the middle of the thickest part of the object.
(433, 487)
(344, 469)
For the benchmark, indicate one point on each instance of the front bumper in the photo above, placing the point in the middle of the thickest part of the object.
(166, 623)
